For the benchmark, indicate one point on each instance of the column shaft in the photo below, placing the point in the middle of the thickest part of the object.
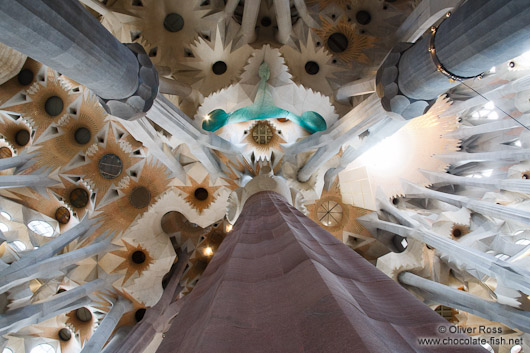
(467, 302)
(102, 334)
(65, 37)
(480, 34)
(281, 283)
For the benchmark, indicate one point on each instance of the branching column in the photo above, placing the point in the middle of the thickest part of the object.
(470, 303)
(105, 329)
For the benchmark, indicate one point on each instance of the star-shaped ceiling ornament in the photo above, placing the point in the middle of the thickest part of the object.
(200, 195)
(45, 103)
(136, 259)
(107, 164)
(351, 46)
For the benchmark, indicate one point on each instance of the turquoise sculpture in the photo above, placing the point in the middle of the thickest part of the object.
(263, 108)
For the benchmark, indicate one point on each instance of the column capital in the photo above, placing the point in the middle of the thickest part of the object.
(136, 105)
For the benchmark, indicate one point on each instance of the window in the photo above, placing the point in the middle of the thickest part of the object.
(41, 228)
(19, 245)
(502, 257)
(523, 242)
(43, 348)
(5, 215)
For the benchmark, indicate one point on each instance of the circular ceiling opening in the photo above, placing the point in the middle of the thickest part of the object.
(83, 314)
(62, 215)
(82, 135)
(64, 334)
(312, 67)
(201, 194)
(219, 68)
(363, 17)
(173, 22)
(525, 176)
(25, 77)
(22, 137)
(5, 152)
(266, 21)
(138, 257)
(337, 42)
(262, 133)
(54, 106)
(140, 197)
(329, 213)
(139, 314)
(110, 166)
(457, 233)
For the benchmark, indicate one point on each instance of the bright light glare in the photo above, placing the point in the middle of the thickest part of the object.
(484, 112)
(207, 117)
(3, 227)
(7, 350)
(493, 115)
(490, 105)
(523, 242)
(43, 348)
(526, 55)
(475, 115)
(516, 349)
(487, 173)
(404, 243)
(502, 257)
(229, 228)
(387, 156)
(493, 70)
(208, 251)
(5, 215)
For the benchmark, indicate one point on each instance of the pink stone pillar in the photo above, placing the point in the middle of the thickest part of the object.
(281, 283)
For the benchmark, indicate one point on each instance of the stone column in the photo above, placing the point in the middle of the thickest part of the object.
(117, 339)
(14, 162)
(283, 18)
(478, 35)
(67, 38)
(105, 328)
(515, 185)
(248, 23)
(52, 247)
(281, 283)
(14, 320)
(467, 302)
(50, 267)
(20, 181)
(473, 261)
(484, 207)
(157, 318)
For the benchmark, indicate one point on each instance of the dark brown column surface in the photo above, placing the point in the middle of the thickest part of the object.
(281, 283)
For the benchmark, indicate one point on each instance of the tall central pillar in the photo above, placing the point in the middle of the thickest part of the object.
(281, 283)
